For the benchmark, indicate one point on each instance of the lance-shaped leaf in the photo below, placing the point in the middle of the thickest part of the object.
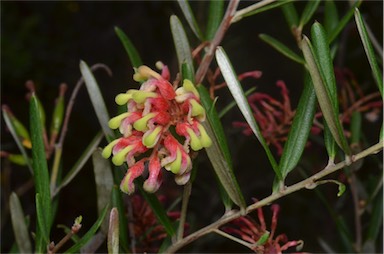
(299, 132)
(20, 228)
(113, 232)
(96, 99)
(188, 14)
(232, 104)
(308, 12)
(219, 154)
(80, 162)
(378, 76)
(324, 96)
(343, 22)
(12, 129)
(90, 233)
(290, 15)
(323, 56)
(104, 184)
(183, 50)
(129, 48)
(41, 176)
(257, 8)
(282, 48)
(234, 86)
(331, 17)
(215, 15)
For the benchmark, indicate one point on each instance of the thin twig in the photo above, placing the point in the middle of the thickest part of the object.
(356, 206)
(72, 101)
(225, 23)
(184, 208)
(233, 214)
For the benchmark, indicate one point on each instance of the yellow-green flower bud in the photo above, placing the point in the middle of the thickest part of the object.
(115, 122)
(141, 96)
(175, 166)
(126, 186)
(197, 110)
(151, 137)
(204, 138)
(119, 158)
(189, 87)
(107, 151)
(123, 98)
(195, 142)
(141, 124)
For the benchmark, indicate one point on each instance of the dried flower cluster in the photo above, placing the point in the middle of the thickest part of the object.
(158, 116)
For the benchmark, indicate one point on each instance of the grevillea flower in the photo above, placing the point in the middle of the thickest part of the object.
(274, 117)
(152, 111)
(256, 236)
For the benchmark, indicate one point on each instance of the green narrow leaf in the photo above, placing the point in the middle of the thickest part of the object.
(41, 176)
(323, 96)
(188, 14)
(187, 73)
(232, 104)
(341, 189)
(91, 232)
(258, 8)
(129, 48)
(80, 162)
(331, 17)
(157, 208)
(290, 15)
(215, 15)
(183, 50)
(309, 9)
(343, 22)
(329, 142)
(117, 202)
(113, 232)
(11, 128)
(219, 154)
(282, 48)
(104, 183)
(20, 228)
(237, 92)
(300, 129)
(378, 76)
(263, 239)
(323, 55)
(96, 99)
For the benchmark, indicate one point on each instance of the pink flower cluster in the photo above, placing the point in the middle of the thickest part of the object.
(158, 116)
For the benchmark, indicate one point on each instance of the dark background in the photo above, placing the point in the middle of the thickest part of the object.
(44, 42)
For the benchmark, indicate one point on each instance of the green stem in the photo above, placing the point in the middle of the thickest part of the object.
(184, 208)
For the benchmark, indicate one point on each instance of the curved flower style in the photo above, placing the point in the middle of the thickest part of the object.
(152, 111)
